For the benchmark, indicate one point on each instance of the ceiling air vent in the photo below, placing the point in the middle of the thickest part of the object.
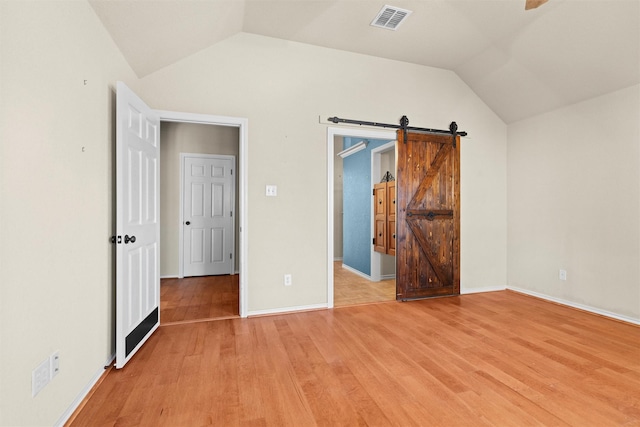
(390, 17)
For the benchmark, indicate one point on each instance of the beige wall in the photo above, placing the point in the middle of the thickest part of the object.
(56, 209)
(179, 138)
(283, 88)
(574, 203)
(56, 217)
(573, 195)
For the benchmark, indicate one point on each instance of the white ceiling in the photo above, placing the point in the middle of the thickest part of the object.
(521, 63)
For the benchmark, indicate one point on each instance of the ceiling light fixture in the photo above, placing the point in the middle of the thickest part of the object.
(390, 17)
(353, 149)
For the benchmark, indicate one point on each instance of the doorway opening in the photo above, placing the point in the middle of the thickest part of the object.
(209, 296)
(347, 281)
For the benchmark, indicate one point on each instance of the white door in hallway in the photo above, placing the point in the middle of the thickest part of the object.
(137, 223)
(208, 214)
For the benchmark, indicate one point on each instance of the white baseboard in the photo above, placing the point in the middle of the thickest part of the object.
(354, 271)
(465, 291)
(588, 308)
(85, 391)
(287, 309)
(338, 259)
(387, 276)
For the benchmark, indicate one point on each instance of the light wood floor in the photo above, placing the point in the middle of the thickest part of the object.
(490, 359)
(350, 288)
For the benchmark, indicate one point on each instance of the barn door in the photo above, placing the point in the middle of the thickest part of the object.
(428, 217)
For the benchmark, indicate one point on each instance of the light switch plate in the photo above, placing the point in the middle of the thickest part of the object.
(272, 190)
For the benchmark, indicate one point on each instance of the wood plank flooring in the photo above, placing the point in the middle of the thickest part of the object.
(350, 288)
(490, 359)
(198, 298)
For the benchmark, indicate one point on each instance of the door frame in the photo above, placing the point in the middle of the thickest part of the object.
(376, 154)
(181, 216)
(242, 191)
(332, 132)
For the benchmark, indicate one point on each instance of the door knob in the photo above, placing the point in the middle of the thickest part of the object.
(188, 222)
(128, 239)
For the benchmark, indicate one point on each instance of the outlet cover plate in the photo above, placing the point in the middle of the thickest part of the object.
(40, 377)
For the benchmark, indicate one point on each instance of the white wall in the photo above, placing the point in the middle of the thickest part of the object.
(574, 204)
(283, 88)
(56, 159)
(179, 138)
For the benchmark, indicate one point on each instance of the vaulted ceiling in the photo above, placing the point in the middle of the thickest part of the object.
(521, 63)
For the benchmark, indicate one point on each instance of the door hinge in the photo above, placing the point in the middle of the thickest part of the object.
(373, 241)
(116, 239)
(231, 213)
(230, 256)
(231, 171)
(373, 193)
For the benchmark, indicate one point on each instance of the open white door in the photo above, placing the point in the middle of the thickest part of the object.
(137, 223)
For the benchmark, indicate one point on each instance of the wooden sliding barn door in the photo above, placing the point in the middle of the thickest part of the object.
(428, 217)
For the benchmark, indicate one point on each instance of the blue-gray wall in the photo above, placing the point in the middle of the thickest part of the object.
(357, 199)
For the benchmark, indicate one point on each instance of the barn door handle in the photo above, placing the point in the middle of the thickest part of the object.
(128, 239)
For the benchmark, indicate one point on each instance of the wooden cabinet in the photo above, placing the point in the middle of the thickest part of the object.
(391, 218)
(384, 208)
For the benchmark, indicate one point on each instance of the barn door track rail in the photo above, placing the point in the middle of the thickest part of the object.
(404, 125)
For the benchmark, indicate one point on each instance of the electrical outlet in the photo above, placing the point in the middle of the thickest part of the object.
(287, 280)
(55, 364)
(562, 275)
(40, 377)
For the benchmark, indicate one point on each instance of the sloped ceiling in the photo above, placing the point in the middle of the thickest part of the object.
(521, 63)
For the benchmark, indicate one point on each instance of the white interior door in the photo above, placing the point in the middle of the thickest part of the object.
(137, 223)
(207, 213)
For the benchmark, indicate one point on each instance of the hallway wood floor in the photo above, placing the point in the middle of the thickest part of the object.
(216, 297)
(198, 298)
(490, 359)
